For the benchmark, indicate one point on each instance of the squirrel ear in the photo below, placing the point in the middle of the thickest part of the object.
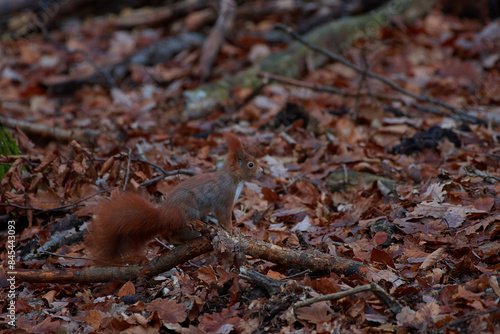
(233, 143)
(240, 154)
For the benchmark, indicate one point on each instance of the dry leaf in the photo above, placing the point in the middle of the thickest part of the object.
(127, 289)
(431, 259)
(94, 319)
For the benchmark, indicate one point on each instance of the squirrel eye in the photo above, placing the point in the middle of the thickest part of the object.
(250, 164)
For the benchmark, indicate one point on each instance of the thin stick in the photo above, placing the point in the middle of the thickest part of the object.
(360, 85)
(171, 173)
(303, 272)
(459, 322)
(380, 293)
(298, 83)
(66, 256)
(332, 296)
(333, 90)
(165, 172)
(251, 96)
(58, 208)
(128, 170)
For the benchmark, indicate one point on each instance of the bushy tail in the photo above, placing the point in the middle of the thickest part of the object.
(125, 224)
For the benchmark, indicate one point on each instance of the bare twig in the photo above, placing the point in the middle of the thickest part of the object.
(474, 172)
(360, 85)
(288, 138)
(459, 117)
(58, 208)
(171, 173)
(393, 85)
(128, 170)
(333, 90)
(459, 322)
(165, 172)
(299, 83)
(386, 298)
(66, 256)
(303, 272)
(251, 96)
(332, 296)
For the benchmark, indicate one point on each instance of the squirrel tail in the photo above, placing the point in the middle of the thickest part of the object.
(125, 224)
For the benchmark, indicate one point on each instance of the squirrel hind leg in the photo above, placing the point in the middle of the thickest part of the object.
(183, 235)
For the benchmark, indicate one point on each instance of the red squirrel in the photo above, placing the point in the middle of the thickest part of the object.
(124, 225)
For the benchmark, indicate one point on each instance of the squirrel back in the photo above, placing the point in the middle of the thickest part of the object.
(124, 225)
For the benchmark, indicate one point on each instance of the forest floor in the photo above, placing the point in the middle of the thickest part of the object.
(410, 194)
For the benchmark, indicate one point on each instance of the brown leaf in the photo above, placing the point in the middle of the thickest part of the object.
(49, 296)
(207, 275)
(24, 142)
(494, 285)
(380, 256)
(316, 313)
(127, 289)
(223, 322)
(47, 160)
(484, 203)
(107, 165)
(47, 326)
(380, 237)
(13, 176)
(169, 310)
(466, 294)
(94, 319)
(45, 199)
(426, 313)
(270, 195)
(275, 275)
(406, 317)
(431, 259)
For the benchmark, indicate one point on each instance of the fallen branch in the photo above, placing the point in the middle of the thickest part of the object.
(313, 260)
(80, 135)
(178, 255)
(271, 285)
(215, 39)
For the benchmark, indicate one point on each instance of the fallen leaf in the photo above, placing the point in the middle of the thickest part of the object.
(431, 259)
(127, 289)
(94, 319)
(315, 313)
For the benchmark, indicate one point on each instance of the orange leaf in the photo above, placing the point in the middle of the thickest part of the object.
(127, 289)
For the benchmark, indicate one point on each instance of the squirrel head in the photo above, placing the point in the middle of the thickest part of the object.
(239, 163)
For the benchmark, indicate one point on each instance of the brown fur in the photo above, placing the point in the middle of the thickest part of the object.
(125, 224)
